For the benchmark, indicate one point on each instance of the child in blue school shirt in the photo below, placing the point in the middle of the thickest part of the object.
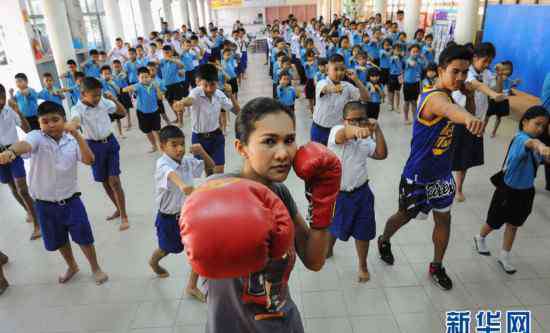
(411, 78)
(121, 80)
(287, 94)
(311, 69)
(188, 58)
(147, 106)
(229, 64)
(109, 87)
(131, 67)
(92, 66)
(345, 51)
(385, 57)
(50, 93)
(158, 81)
(428, 50)
(74, 90)
(27, 100)
(362, 67)
(504, 84)
(322, 70)
(376, 93)
(395, 80)
(513, 198)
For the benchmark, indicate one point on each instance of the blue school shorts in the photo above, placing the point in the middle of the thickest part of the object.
(418, 199)
(213, 144)
(354, 215)
(168, 233)
(319, 134)
(107, 158)
(58, 221)
(13, 170)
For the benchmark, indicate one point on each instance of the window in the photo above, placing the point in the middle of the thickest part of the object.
(93, 13)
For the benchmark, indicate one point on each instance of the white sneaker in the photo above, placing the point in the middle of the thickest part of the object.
(505, 264)
(481, 246)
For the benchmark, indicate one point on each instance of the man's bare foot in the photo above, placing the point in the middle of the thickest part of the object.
(196, 293)
(36, 234)
(159, 270)
(460, 197)
(3, 259)
(124, 225)
(68, 274)
(115, 216)
(363, 276)
(100, 277)
(3, 285)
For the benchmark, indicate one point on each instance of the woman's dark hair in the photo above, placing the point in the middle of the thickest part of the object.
(454, 52)
(256, 110)
(532, 113)
(484, 50)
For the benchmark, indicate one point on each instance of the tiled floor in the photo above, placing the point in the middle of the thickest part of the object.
(397, 299)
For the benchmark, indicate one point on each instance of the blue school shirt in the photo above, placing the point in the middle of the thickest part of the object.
(218, 41)
(28, 105)
(311, 70)
(160, 83)
(120, 79)
(46, 95)
(396, 66)
(320, 76)
(229, 66)
(274, 52)
(362, 73)
(412, 73)
(430, 156)
(91, 69)
(169, 72)
(545, 94)
(146, 98)
(142, 62)
(331, 50)
(107, 87)
(221, 80)
(428, 84)
(521, 164)
(373, 50)
(346, 53)
(131, 71)
(286, 95)
(428, 55)
(69, 80)
(375, 96)
(187, 59)
(402, 46)
(385, 57)
(356, 38)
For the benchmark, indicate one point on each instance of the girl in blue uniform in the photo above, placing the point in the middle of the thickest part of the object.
(427, 183)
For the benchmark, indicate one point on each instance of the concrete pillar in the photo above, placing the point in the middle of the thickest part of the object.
(466, 21)
(146, 16)
(412, 16)
(215, 16)
(168, 16)
(201, 12)
(113, 19)
(207, 16)
(59, 33)
(193, 15)
(319, 8)
(184, 12)
(380, 6)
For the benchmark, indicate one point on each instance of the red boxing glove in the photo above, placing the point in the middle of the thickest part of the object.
(231, 227)
(321, 170)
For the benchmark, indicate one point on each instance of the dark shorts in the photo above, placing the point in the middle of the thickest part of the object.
(393, 83)
(213, 144)
(168, 233)
(310, 89)
(190, 80)
(148, 122)
(175, 92)
(319, 133)
(411, 91)
(510, 206)
(373, 110)
(161, 108)
(384, 75)
(354, 215)
(234, 85)
(126, 100)
(33, 122)
(416, 198)
(467, 149)
(11, 171)
(107, 158)
(58, 221)
(499, 109)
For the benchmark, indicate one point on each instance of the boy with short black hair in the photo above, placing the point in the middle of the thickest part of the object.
(109, 87)
(174, 181)
(121, 79)
(376, 93)
(50, 93)
(229, 65)
(56, 149)
(92, 66)
(27, 99)
(92, 115)
(286, 93)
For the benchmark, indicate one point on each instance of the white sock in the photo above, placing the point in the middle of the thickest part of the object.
(505, 254)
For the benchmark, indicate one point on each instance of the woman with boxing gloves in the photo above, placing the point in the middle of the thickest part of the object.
(243, 231)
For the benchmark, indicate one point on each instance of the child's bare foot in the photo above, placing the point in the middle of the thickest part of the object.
(36, 234)
(100, 277)
(363, 276)
(115, 216)
(196, 293)
(460, 197)
(124, 225)
(159, 270)
(71, 271)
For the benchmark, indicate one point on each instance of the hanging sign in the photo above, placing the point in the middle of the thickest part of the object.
(219, 4)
